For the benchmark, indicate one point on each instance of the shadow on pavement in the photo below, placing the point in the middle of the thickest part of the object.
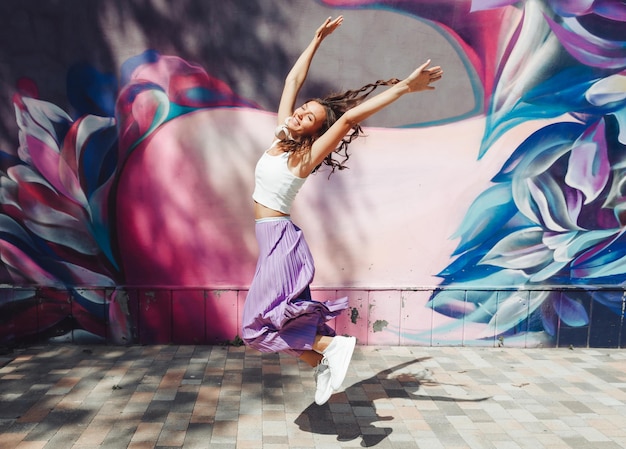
(352, 414)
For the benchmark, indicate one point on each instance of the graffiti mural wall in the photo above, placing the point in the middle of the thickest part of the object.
(490, 211)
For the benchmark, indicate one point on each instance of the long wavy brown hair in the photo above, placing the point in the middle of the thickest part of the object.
(335, 106)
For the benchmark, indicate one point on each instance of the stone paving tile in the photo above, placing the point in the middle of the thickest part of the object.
(87, 397)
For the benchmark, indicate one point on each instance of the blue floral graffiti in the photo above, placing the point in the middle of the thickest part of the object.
(555, 213)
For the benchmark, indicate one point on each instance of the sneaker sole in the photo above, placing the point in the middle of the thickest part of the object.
(324, 399)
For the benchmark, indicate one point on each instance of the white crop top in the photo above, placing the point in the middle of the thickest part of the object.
(274, 184)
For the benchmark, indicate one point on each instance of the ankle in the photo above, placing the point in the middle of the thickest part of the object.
(321, 343)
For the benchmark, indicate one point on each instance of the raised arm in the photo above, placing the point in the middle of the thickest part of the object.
(417, 81)
(296, 76)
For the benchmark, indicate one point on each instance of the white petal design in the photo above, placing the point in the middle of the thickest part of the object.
(514, 309)
(88, 277)
(582, 242)
(88, 126)
(37, 121)
(8, 192)
(588, 168)
(527, 62)
(521, 249)
(76, 238)
(621, 119)
(607, 90)
(23, 173)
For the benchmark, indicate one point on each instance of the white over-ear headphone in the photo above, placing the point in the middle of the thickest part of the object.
(282, 132)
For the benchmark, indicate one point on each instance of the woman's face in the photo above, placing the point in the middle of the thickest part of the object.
(307, 119)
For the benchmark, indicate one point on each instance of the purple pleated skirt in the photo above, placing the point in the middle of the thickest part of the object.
(279, 314)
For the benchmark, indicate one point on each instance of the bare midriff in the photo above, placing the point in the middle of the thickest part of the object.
(261, 211)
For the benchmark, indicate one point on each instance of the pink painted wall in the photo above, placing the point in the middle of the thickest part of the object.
(486, 212)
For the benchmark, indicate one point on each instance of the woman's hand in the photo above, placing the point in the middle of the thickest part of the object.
(422, 77)
(327, 27)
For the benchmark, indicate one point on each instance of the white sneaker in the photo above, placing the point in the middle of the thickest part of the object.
(338, 355)
(323, 391)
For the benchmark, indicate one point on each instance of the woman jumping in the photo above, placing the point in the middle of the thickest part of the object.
(279, 314)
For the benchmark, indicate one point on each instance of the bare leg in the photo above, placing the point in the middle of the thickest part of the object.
(321, 343)
(312, 358)
(315, 356)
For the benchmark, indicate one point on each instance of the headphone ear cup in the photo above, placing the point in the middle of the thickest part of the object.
(281, 132)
